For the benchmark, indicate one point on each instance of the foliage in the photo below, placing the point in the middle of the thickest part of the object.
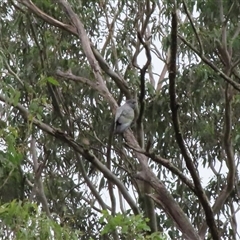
(60, 85)
(128, 226)
(27, 222)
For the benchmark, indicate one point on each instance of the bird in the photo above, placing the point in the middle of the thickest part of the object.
(124, 116)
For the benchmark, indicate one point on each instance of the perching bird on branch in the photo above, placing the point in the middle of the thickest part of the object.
(124, 116)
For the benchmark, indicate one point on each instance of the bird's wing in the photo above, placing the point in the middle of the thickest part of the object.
(127, 114)
(123, 118)
(118, 113)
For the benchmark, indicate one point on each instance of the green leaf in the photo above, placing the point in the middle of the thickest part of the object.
(53, 81)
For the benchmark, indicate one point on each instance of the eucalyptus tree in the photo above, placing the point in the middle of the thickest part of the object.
(65, 68)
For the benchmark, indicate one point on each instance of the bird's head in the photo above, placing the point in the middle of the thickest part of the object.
(132, 103)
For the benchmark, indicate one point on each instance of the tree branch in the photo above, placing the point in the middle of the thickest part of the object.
(167, 164)
(89, 183)
(211, 64)
(236, 33)
(38, 184)
(174, 108)
(143, 91)
(166, 201)
(33, 8)
(229, 160)
(119, 80)
(193, 27)
(83, 80)
(109, 162)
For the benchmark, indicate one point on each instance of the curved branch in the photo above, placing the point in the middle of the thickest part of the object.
(168, 204)
(143, 71)
(92, 84)
(149, 12)
(83, 80)
(149, 206)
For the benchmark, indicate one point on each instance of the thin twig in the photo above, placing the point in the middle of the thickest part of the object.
(232, 216)
(89, 183)
(211, 64)
(193, 27)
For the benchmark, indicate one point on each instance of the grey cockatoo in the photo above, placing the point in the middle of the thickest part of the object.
(124, 116)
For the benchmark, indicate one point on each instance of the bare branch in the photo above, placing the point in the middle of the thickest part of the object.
(235, 64)
(10, 71)
(109, 162)
(7, 178)
(233, 219)
(149, 11)
(223, 48)
(118, 79)
(70, 76)
(220, 4)
(89, 201)
(160, 80)
(237, 32)
(111, 26)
